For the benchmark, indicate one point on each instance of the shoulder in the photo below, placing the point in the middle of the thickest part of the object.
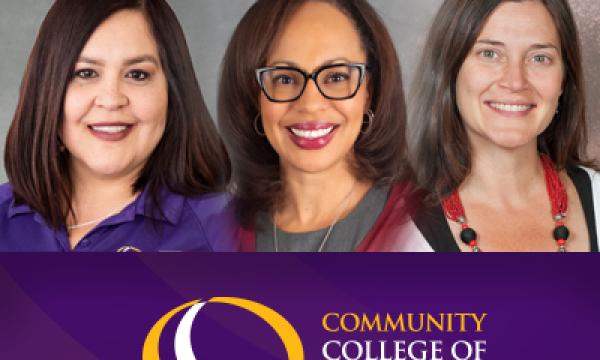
(430, 221)
(586, 180)
(6, 193)
(215, 214)
(6, 198)
(587, 185)
(593, 174)
(21, 229)
(394, 229)
(206, 205)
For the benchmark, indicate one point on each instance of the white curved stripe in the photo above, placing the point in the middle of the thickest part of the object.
(183, 336)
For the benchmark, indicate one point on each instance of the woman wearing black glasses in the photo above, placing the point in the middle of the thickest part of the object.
(312, 109)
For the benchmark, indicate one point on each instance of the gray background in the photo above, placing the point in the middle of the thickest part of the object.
(209, 23)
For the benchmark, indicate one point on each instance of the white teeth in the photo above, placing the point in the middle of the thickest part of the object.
(311, 134)
(508, 107)
(111, 129)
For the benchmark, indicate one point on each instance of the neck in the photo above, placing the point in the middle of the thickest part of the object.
(315, 200)
(95, 197)
(498, 172)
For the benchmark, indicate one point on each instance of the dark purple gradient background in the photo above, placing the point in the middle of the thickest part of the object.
(86, 306)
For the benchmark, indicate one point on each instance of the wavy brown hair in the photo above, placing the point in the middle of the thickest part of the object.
(190, 159)
(379, 153)
(439, 150)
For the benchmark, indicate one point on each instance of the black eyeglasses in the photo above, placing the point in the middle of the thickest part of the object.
(334, 81)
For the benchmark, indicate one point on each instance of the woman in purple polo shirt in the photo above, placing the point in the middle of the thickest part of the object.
(111, 147)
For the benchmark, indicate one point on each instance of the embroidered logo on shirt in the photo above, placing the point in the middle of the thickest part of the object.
(128, 249)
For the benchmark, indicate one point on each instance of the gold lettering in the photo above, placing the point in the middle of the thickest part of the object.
(326, 324)
(449, 317)
(478, 321)
(356, 322)
(399, 323)
(411, 324)
(432, 320)
(370, 325)
(462, 317)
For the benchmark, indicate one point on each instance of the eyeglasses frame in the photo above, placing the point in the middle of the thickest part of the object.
(312, 76)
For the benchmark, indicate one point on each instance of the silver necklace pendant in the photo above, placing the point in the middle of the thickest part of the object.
(321, 245)
(339, 208)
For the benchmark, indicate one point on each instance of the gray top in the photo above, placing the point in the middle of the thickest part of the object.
(346, 234)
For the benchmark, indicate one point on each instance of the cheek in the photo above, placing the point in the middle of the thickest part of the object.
(465, 83)
(549, 86)
(470, 84)
(150, 107)
(76, 104)
(353, 112)
(354, 109)
(461, 97)
(271, 113)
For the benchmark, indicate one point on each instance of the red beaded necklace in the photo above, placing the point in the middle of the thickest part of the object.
(558, 198)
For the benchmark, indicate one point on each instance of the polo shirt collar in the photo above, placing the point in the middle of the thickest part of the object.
(171, 206)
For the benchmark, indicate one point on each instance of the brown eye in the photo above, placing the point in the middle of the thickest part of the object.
(283, 80)
(138, 75)
(337, 77)
(85, 74)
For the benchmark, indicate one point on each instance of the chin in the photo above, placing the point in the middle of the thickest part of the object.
(512, 141)
(107, 171)
(313, 166)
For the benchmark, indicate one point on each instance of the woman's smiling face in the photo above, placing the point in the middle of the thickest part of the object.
(508, 87)
(313, 134)
(115, 107)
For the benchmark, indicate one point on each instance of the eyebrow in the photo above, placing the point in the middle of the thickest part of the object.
(127, 62)
(534, 46)
(325, 63)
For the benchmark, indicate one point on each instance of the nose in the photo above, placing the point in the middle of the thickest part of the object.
(311, 99)
(110, 95)
(514, 77)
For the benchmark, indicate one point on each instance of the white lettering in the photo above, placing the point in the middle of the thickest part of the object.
(326, 350)
(479, 348)
(464, 344)
(356, 345)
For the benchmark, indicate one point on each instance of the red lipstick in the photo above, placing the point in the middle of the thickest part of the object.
(312, 135)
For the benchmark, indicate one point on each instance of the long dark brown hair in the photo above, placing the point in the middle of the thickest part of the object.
(379, 153)
(438, 145)
(190, 159)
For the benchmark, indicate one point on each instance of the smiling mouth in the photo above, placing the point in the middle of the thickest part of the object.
(109, 129)
(312, 134)
(511, 107)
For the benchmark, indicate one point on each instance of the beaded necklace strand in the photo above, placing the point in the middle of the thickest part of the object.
(454, 210)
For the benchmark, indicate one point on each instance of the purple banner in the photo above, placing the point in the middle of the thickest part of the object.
(299, 306)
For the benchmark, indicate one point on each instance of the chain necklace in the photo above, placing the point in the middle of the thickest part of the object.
(453, 208)
(340, 207)
(100, 219)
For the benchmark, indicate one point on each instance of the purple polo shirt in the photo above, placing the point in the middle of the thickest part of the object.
(202, 223)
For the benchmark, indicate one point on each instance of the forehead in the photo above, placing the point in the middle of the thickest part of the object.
(125, 33)
(522, 22)
(317, 32)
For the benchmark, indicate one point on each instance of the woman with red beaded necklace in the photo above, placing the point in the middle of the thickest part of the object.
(498, 116)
